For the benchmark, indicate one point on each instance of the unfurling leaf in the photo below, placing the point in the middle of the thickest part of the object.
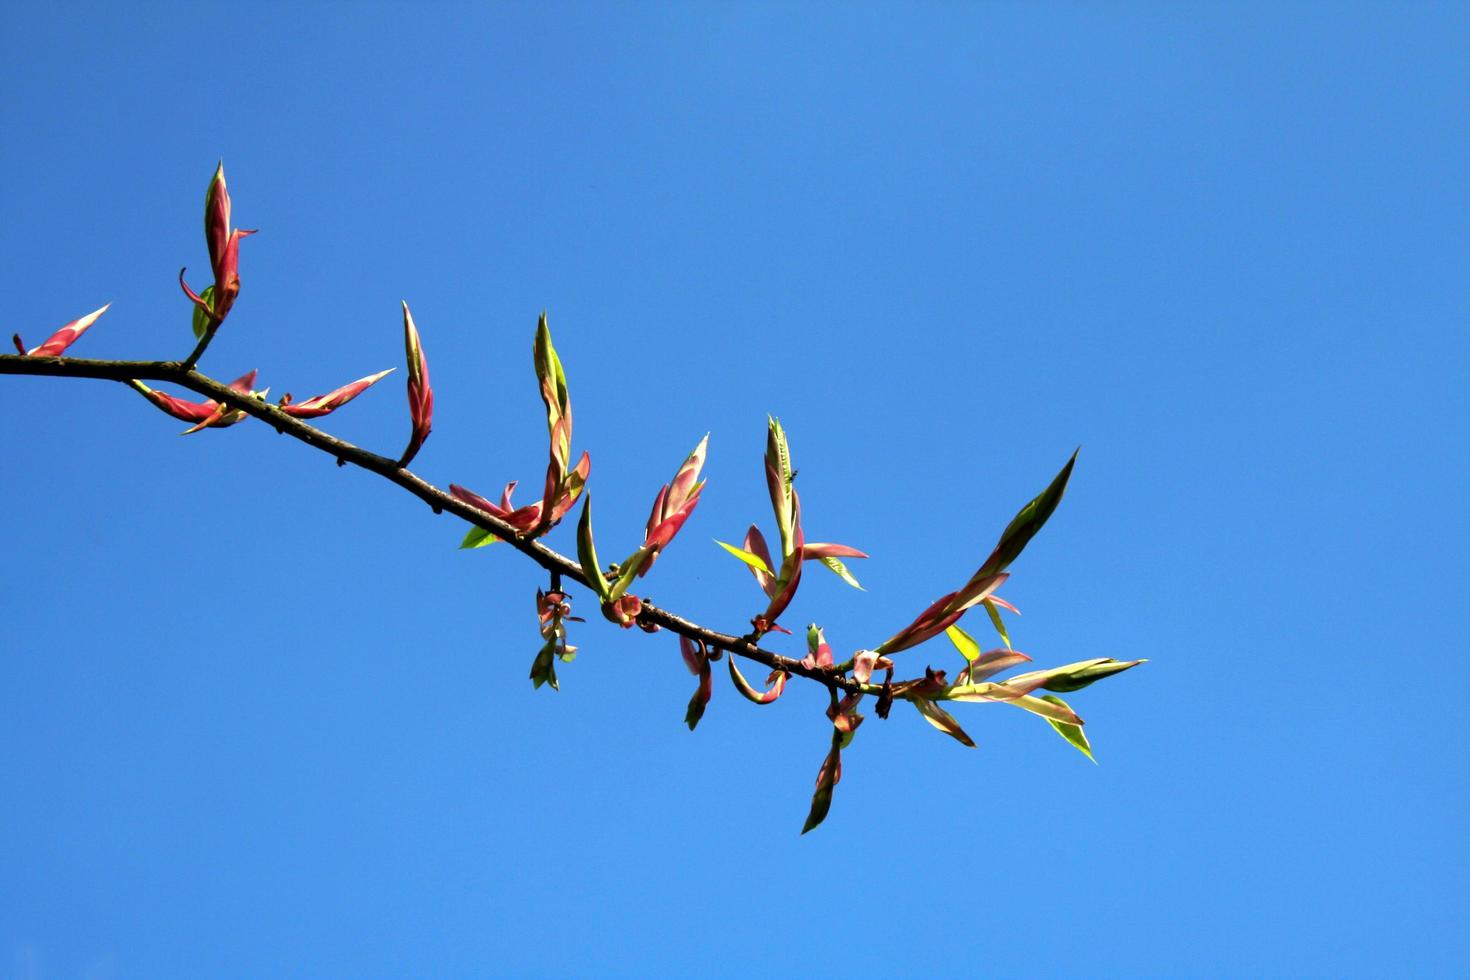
(996, 621)
(1072, 733)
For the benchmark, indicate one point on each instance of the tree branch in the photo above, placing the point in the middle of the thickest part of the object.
(180, 373)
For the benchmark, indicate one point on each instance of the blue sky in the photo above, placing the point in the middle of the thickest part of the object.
(258, 716)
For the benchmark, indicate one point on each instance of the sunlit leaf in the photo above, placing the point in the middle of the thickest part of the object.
(842, 572)
(750, 558)
(1072, 733)
(942, 720)
(827, 778)
(478, 537)
(587, 552)
(997, 622)
(202, 319)
(963, 642)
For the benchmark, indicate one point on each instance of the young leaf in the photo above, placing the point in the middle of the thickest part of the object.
(1026, 523)
(827, 778)
(964, 643)
(942, 720)
(751, 693)
(1072, 733)
(478, 537)
(997, 622)
(543, 668)
(750, 558)
(587, 553)
(202, 319)
(841, 571)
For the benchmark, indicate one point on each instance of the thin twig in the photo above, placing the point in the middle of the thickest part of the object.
(180, 373)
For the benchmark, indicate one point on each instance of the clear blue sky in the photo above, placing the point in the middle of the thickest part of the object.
(1222, 248)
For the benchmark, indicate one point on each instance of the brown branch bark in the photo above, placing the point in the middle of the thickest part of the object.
(179, 373)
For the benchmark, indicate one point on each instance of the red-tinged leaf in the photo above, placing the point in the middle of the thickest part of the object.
(624, 611)
(215, 420)
(475, 500)
(997, 600)
(321, 405)
(822, 549)
(819, 653)
(755, 544)
(697, 660)
(863, 664)
(64, 337)
(929, 623)
(827, 779)
(992, 662)
(687, 477)
(199, 301)
(217, 217)
(245, 383)
(977, 590)
(942, 720)
(759, 697)
(1052, 710)
(420, 393)
(184, 411)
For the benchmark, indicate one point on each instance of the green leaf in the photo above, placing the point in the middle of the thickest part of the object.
(1074, 677)
(1000, 627)
(201, 319)
(753, 560)
(964, 643)
(1077, 680)
(478, 537)
(587, 552)
(1072, 733)
(543, 668)
(627, 571)
(1051, 710)
(1026, 523)
(826, 782)
(842, 572)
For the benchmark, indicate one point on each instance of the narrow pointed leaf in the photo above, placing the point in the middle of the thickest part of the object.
(827, 778)
(750, 558)
(1072, 733)
(996, 621)
(841, 571)
(587, 553)
(942, 720)
(1026, 523)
